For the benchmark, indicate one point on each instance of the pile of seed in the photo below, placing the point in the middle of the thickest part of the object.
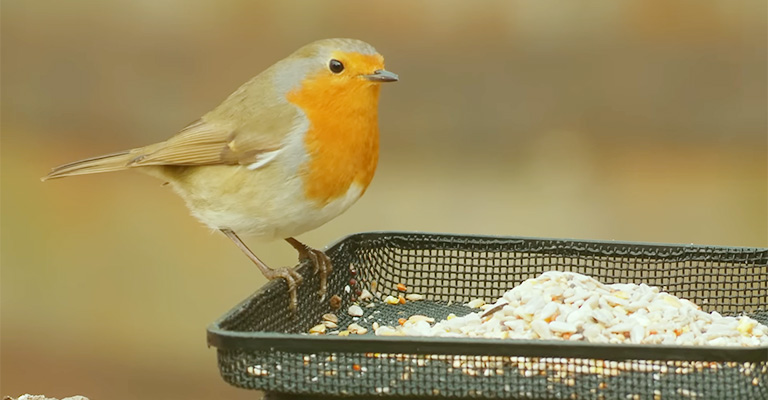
(570, 306)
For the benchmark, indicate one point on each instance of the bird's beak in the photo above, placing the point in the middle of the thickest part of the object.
(381, 75)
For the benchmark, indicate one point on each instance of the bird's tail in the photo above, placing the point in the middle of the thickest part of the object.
(94, 165)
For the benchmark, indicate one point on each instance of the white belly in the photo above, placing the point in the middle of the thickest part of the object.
(265, 203)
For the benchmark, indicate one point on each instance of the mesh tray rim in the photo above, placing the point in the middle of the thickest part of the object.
(573, 242)
(224, 339)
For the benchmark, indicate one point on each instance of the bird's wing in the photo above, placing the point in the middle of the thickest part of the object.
(208, 142)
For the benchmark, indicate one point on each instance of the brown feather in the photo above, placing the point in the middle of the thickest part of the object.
(106, 163)
(209, 142)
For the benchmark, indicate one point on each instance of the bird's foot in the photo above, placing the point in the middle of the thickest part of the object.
(320, 262)
(292, 279)
(322, 266)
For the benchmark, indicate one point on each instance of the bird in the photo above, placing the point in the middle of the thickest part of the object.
(289, 150)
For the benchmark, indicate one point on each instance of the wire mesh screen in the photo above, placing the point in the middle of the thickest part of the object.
(358, 375)
(262, 345)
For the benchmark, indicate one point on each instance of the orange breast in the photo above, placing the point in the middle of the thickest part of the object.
(343, 136)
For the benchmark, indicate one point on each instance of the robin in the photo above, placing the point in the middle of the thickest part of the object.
(288, 151)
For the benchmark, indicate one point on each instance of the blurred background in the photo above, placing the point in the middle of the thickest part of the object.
(641, 121)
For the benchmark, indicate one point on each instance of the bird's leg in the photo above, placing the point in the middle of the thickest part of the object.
(320, 262)
(292, 278)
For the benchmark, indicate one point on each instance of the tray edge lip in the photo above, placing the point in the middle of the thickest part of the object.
(268, 341)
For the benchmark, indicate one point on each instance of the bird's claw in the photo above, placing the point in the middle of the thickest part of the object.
(321, 264)
(292, 279)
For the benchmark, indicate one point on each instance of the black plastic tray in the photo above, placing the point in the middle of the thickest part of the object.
(262, 345)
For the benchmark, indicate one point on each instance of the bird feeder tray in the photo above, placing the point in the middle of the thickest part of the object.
(263, 345)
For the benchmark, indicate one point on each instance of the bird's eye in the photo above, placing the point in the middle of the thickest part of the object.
(336, 66)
